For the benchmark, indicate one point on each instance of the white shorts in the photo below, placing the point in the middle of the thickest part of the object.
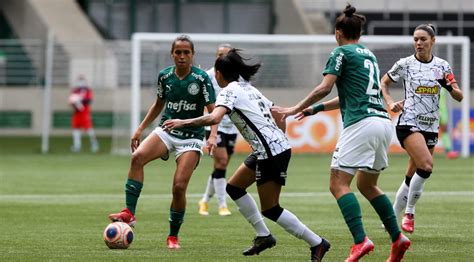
(363, 145)
(178, 145)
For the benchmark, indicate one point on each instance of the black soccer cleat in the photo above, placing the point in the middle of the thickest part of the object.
(260, 244)
(318, 252)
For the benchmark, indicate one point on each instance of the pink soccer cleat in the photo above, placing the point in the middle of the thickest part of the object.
(360, 250)
(399, 248)
(125, 216)
(172, 242)
(408, 223)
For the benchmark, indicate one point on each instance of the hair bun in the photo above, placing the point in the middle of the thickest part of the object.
(349, 11)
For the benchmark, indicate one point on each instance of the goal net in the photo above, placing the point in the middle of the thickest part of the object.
(292, 66)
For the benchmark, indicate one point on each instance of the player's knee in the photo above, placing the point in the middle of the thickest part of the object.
(222, 162)
(218, 173)
(179, 189)
(235, 192)
(273, 213)
(138, 159)
(423, 173)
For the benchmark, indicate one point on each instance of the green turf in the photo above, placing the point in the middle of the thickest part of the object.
(54, 208)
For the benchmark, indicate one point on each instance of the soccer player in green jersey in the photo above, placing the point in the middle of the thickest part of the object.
(362, 148)
(183, 92)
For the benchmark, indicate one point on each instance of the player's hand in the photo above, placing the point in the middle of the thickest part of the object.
(170, 124)
(285, 111)
(211, 144)
(306, 112)
(135, 140)
(397, 106)
(447, 82)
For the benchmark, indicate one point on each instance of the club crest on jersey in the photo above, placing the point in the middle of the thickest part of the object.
(427, 90)
(193, 89)
(437, 73)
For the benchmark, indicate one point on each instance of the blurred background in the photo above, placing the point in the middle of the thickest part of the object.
(46, 44)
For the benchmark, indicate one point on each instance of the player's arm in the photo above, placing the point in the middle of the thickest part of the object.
(211, 142)
(332, 104)
(213, 118)
(279, 120)
(318, 93)
(153, 112)
(451, 85)
(384, 85)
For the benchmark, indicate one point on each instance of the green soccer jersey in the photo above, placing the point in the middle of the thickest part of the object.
(185, 98)
(358, 83)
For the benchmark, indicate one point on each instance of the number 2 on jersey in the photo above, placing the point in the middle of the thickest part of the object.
(374, 73)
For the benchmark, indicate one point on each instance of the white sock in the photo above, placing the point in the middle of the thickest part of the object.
(293, 225)
(76, 139)
(400, 202)
(93, 139)
(219, 187)
(414, 192)
(248, 208)
(209, 190)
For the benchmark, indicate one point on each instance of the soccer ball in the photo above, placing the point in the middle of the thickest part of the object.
(118, 235)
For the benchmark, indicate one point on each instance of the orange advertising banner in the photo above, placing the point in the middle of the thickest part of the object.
(316, 134)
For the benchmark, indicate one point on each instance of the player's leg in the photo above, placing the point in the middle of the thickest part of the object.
(76, 133)
(185, 165)
(401, 196)
(151, 148)
(416, 146)
(93, 140)
(222, 154)
(243, 177)
(203, 204)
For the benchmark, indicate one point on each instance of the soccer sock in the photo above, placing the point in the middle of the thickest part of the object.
(76, 139)
(414, 193)
(176, 220)
(350, 209)
(446, 142)
(93, 139)
(248, 208)
(132, 193)
(293, 225)
(209, 190)
(401, 197)
(219, 186)
(384, 209)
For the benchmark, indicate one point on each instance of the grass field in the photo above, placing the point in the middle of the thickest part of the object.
(55, 206)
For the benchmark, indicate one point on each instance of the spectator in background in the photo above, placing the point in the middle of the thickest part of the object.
(80, 100)
(226, 136)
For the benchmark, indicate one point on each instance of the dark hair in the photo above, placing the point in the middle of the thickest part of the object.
(233, 65)
(350, 23)
(185, 38)
(429, 28)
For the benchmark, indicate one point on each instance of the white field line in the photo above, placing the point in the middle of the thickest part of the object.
(106, 197)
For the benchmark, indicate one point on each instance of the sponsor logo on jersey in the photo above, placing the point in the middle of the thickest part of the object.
(364, 51)
(339, 61)
(199, 77)
(193, 89)
(181, 105)
(427, 90)
(425, 120)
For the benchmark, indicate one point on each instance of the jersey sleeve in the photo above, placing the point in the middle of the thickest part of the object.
(160, 93)
(396, 72)
(208, 90)
(335, 62)
(227, 98)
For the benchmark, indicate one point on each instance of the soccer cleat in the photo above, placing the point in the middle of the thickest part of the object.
(224, 211)
(399, 248)
(452, 154)
(172, 242)
(203, 208)
(125, 216)
(260, 244)
(360, 250)
(317, 252)
(408, 223)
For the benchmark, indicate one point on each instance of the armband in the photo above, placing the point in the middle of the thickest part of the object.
(447, 82)
(317, 108)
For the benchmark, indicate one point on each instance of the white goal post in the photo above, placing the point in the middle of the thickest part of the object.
(461, 43)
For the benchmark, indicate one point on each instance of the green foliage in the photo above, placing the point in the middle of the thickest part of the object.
(55, 208)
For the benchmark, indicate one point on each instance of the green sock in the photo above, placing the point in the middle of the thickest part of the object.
(176, 220)
(350, 209)
(384, 209)
(132, 193)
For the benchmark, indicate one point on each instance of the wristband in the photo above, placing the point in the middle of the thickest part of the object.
(317, 108)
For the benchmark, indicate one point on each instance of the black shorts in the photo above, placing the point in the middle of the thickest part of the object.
(251, 162)
(431, 138)
(225, 140)
(273, 169)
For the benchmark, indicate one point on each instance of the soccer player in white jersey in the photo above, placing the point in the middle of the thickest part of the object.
(422, 75)
(226, 137)
(250, 111)
(183, 91)
(362, 148)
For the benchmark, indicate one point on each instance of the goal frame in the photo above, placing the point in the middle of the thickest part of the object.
(138, 38)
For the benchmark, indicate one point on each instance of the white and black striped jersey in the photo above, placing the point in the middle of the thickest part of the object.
(422, 90)
(249, 110)
(225, 126)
